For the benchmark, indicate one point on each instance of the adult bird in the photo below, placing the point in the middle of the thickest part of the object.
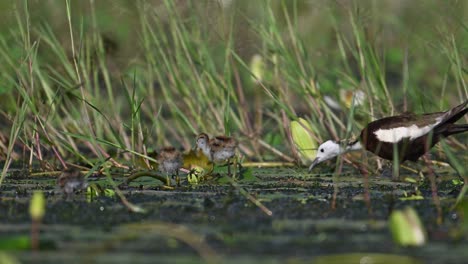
(410, 134)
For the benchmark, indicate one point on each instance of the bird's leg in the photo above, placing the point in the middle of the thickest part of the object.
(379, 164)
(168, 181)
(239, 166)
(229, 167)
(396, 164)
(177, 178)
(435, 197)
(396, 173)
(235, 164)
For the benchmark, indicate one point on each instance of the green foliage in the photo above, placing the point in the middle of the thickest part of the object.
(14, 243)
(76, 82)
(462, 208)
(301, 133)
(95, 190)
(406, 228)
(37, 206)
(7, 259)
(198, 161)
(248, 176)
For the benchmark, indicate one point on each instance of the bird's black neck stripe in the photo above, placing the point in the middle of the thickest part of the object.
(347, 142)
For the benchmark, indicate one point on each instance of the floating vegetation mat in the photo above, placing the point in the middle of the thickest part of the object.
(213, 222)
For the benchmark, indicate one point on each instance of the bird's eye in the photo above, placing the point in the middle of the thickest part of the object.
(321, 150)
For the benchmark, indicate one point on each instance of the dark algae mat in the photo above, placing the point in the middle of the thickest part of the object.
(213, 222)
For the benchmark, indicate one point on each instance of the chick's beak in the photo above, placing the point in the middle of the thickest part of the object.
(314, 163)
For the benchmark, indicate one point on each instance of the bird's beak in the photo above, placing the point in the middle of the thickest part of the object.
(315, 162)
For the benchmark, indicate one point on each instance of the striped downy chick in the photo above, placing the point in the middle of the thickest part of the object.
(217, 149)
(170, 161)
(70, 181)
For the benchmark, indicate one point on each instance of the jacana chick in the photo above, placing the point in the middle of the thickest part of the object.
(70, 181)
(217, 149)
(170, 161)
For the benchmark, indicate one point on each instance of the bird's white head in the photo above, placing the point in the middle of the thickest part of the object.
(328, 150)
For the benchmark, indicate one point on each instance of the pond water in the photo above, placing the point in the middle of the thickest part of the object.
(215, 223)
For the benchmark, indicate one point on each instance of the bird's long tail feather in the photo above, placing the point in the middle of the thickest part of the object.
(457, 112)
(455, 129)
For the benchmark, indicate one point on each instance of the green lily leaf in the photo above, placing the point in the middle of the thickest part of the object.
(95, 190)
(109, 193)
(37, 206)
(195, 176)
(257, 67)
(197, 160)
(305, 144)
(406, 228)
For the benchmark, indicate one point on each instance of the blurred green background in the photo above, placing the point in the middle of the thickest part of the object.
(153, 73)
